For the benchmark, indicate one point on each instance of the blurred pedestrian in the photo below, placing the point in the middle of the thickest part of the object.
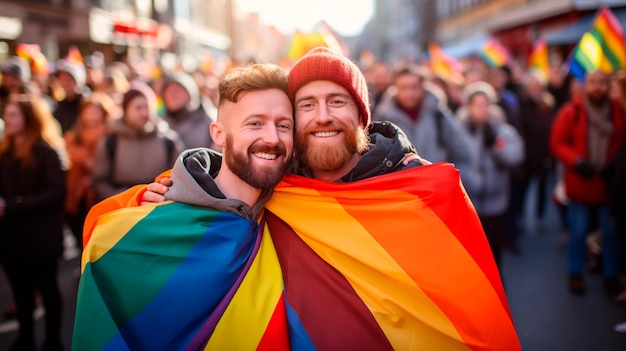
(32, 191)
(184, 112)
(71, 76)
(15, 78)
(585, 137)
(378, 81)
(497, 148)
(537, 114)
(81, 141)
(437, 136)
(95, 78)
(137, 147)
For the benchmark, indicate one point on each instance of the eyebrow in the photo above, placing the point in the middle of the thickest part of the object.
(330, 95)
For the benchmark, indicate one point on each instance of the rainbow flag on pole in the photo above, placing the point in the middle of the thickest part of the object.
(538, 60)
(494, 53)
(395, 262)
(602, 48)
(443, 65)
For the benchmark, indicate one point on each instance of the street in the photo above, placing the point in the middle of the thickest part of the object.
(546, 315)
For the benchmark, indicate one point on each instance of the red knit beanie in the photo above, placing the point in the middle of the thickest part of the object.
(325, 64)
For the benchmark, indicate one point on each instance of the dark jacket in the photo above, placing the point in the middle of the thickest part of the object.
(569, 142)
(537, 120)
(33, 222)
(67, 112)
(388, 146)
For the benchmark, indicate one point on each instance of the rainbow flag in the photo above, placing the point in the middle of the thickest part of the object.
(602, 48)
(395, 262)
(176, 277)
(443, 65)
(494, 54)
(538, 60)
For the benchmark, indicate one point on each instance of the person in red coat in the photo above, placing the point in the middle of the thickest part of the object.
(585, 136)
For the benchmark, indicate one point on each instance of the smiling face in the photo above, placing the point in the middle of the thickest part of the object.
(328, 132)
(256, 134)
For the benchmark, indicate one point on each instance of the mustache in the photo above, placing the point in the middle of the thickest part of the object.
(264, 148)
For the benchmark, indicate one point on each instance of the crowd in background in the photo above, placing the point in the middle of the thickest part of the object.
(113, 126)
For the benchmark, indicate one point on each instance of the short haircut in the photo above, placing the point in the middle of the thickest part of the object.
(410, 70)
(260, 76)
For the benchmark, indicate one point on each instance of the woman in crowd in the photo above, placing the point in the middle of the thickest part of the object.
(81, 141)
(32, 191)
(138, 146)
(496, 147)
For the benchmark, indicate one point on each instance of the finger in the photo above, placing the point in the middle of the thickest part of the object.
(151, 197)
(157, 188)
(167, 181)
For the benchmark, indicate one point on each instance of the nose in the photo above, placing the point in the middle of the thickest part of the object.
(322, 114)
(270, 136)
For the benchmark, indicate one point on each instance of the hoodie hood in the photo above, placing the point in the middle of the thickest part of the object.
(193, 182)
(189, 84)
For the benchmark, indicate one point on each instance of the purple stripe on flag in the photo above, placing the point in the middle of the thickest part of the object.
(200, 340)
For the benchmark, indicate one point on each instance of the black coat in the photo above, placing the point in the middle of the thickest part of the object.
(537, 121)
(33, 220)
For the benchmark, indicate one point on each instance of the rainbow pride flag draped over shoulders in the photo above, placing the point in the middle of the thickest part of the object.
(396, 262)
(176, 277)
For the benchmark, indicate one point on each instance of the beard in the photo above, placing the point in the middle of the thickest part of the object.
(242, 165)
(598, 99)
(327, 157)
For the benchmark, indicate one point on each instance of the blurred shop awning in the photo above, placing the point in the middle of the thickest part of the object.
(573, 32)
(466, 47)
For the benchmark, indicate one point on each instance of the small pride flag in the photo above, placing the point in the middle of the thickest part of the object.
(443, 65)
(494, 53)
(538, 59)
(602, 48)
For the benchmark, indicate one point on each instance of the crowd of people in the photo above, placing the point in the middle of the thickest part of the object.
(90, 130)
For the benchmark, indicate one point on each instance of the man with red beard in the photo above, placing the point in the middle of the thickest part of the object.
(335, 138)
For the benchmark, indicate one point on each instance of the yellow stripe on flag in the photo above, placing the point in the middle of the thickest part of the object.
(405, 313)
(259, 293)
(111, 229)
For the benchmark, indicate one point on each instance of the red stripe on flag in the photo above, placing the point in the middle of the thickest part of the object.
(276, 336)
(331, 312)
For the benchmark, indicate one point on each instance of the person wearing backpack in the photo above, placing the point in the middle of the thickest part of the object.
(437, 136)
(137, 147)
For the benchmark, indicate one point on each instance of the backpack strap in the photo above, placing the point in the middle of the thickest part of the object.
(169, 150)
(439, 128)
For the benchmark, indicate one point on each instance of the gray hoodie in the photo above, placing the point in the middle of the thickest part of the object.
(435, 140)
(193, 183)
(487, 180)
(192, 122)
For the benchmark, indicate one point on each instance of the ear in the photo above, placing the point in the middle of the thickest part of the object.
(218, 134)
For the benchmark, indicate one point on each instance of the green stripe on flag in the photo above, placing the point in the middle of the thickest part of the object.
(170, 232)
(606, 51)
